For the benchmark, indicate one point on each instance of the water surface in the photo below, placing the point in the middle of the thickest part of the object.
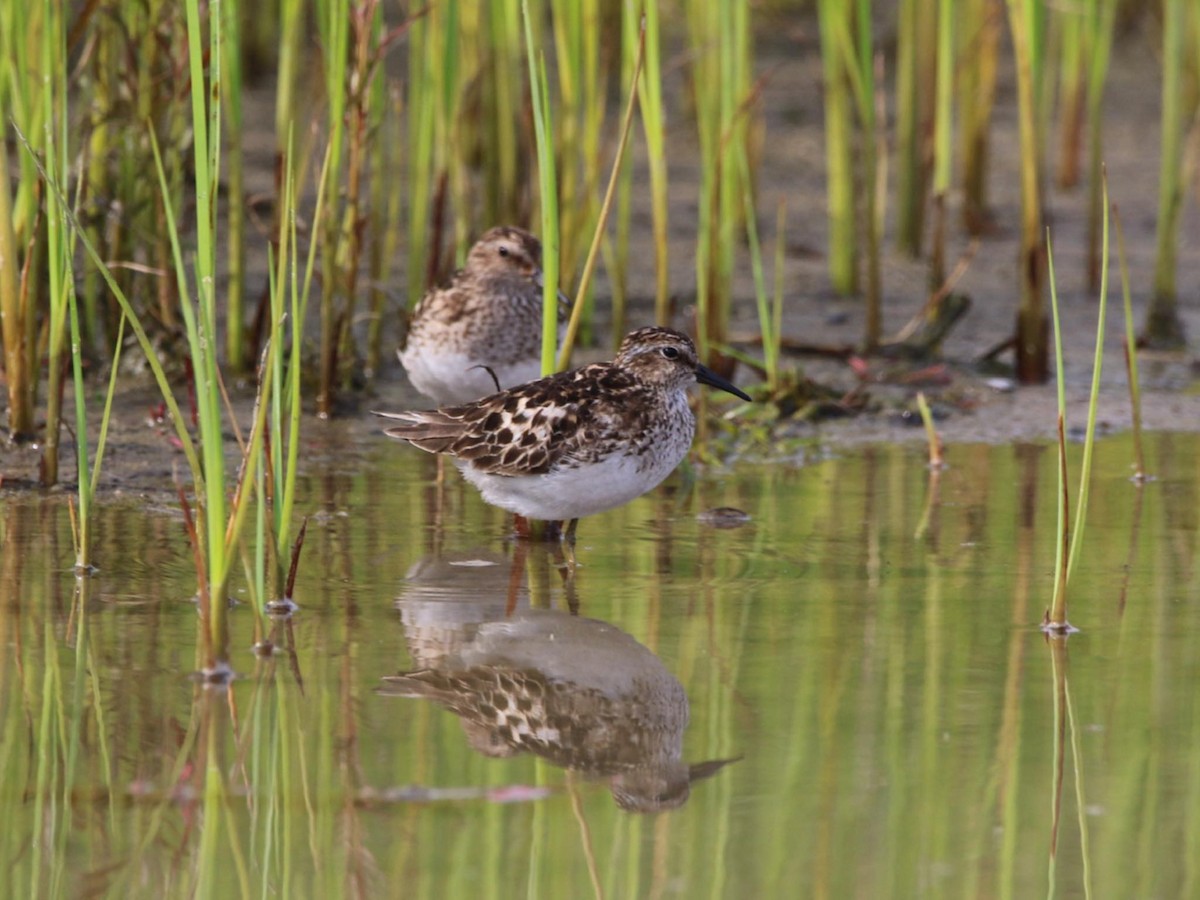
(846, 696)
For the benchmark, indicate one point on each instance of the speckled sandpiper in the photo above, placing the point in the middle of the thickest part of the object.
(481, 331)
(579, 442)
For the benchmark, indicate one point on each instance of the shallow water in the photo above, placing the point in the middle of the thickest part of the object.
(863, 656)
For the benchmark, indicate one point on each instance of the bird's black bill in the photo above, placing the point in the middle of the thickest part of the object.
(707, 376)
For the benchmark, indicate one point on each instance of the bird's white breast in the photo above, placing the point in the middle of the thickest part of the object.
(448, 377)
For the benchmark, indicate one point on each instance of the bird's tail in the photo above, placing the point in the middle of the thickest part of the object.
(431, 430)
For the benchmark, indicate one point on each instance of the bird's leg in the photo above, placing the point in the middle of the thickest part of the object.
(568, 554)
(515, 576)
(569, 590)
(537, 529)
(564, 562)
(567, 542)
(436, 504)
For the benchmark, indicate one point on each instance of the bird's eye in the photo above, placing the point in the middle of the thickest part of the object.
(670, 352)
(503, 251)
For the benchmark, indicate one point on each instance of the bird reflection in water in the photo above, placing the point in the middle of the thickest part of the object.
(575, 691)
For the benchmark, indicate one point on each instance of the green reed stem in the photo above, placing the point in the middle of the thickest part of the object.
(1131, 354)
(772, 351)
(51, 685)
(422, 108)
(265, 488)
(502, 145)
(846, 35)
(453, 127)
(289, 302)
(718, 36)
(737, 94)
(99, 146)
(87, 477)
(547, 182)
(21, 84)
(835, 17)
(654, 129)
(102, 144)
(766, 323)
(18, 326)
(235, 245)
(916, 60)
(1058, 670)
(86, 485)
(1085, 473)
(979, 39)
(295, 370)
(448, 72)
(872, 168)
(18, 85)
(20, 91)
(598, 233)
(201, 325)
(291, 30)
(942, 151)
(58, 262)
(106, 414)
(1058, 608)
(75, 714)
(284, 291)
(1101, 19)
(1074, 48)
(385, 210)
(595, 96)
(1031, 348)
(1081, 806)
(334, 18)
(616, 250)
(365, 34)
(932, 439)
(210, 803)
(701, 38)
(1163, 327)
(253, 455)
(567, 21)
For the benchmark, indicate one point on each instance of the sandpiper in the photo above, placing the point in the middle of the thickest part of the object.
(579, 442)
(482, 331)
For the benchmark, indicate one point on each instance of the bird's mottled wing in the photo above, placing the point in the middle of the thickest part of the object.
(552, 422)
(529, 429)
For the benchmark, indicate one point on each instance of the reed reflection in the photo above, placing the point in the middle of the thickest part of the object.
(526, 678)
